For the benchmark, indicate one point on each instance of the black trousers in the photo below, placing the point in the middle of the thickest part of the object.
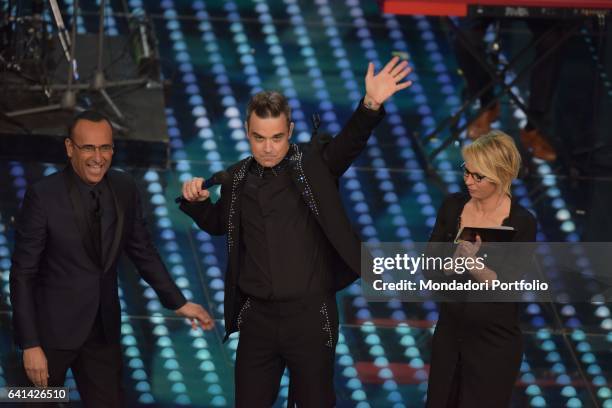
(476, 354)
(299, 335)
(97, 370)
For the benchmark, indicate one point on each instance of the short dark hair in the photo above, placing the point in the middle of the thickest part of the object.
(90, 115)
(268, 104)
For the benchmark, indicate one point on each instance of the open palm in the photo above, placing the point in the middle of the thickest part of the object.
(383, 85)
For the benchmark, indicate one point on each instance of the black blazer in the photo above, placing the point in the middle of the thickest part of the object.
(448, 217)
(316, 169)
(57, 285)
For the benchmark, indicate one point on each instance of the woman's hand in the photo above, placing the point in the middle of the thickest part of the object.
(467, 249)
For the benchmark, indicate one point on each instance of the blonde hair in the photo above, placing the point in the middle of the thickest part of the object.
(495, 156)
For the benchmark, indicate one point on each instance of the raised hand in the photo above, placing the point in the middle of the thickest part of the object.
(388, 81)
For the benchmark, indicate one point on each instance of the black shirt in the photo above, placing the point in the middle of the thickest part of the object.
(107, 206)
(286, 255)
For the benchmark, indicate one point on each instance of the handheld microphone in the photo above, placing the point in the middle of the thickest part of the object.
(217, 178)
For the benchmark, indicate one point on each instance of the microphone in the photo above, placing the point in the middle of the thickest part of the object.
(217, 178)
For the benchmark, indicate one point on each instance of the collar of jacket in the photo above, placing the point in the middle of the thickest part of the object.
(293, 159)
(70, 178)
(283, 164)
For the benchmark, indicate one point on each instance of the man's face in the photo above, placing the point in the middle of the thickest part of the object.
(269, 138)
(91, 166)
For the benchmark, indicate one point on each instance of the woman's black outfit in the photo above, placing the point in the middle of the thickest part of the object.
(477, 347)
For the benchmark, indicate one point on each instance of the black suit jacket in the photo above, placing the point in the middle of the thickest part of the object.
(57, 283)
(315, 171)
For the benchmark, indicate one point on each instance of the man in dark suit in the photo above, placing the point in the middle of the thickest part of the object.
(72, 227)
(290, 244)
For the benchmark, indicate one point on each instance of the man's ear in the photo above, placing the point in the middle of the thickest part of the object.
(246, 128)
(291, 126)
(69, 147)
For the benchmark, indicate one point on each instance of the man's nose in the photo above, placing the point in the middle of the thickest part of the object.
(268, 146)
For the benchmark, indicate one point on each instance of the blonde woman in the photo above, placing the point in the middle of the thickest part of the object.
(477, 347)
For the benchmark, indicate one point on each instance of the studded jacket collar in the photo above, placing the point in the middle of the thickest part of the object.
(295, 162)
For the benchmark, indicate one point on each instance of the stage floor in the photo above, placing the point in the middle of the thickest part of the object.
(217, 54)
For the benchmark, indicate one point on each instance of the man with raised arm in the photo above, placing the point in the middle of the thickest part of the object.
(290, 244)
